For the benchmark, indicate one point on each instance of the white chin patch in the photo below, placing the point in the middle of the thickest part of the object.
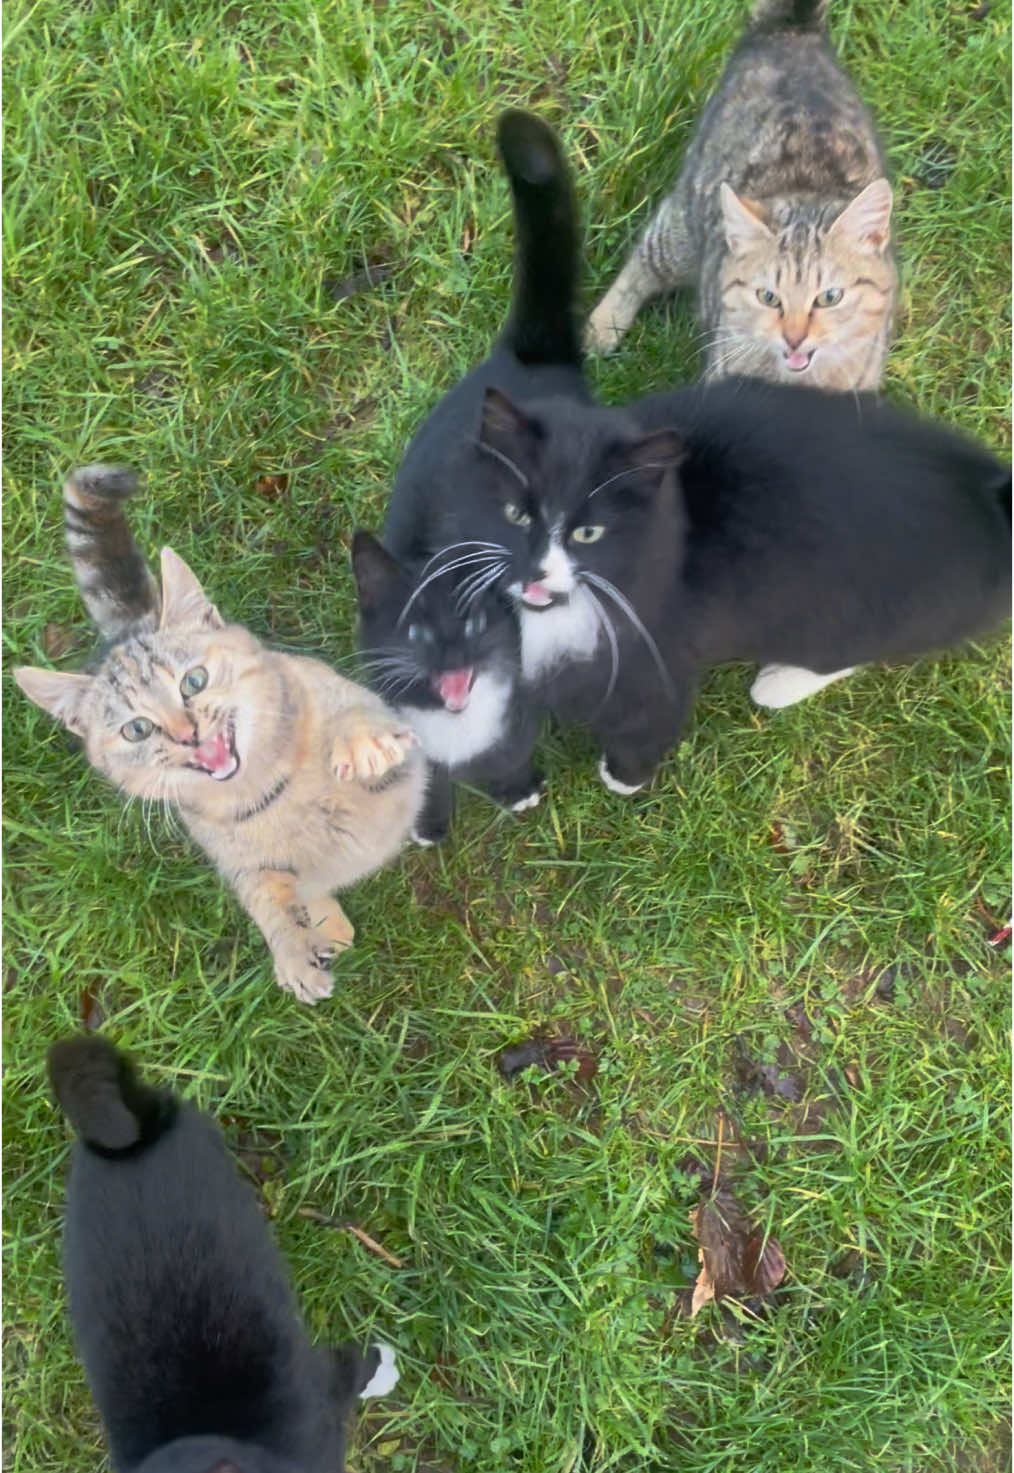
(385, 1377)
(613, 783)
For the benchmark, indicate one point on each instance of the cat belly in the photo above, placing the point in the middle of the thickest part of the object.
(454, 738)
(551, 637)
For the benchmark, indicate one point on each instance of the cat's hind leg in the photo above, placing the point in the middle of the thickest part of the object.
(777, 686)
(663, 258)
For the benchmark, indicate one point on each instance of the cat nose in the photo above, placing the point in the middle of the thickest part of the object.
(795, 336)
(181, 730)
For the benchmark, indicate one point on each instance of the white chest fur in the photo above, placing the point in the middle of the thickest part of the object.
(456, 737)
(567, 631)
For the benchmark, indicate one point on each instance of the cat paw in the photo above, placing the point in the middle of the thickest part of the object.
(613, 783)
(331, 922)
(368, 749)
(385, 1377)
(304, 970)
(778, 686)
(530, 800)
(603, 334)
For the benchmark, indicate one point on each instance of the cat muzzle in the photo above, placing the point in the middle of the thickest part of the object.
(217, 755)
(454, 687)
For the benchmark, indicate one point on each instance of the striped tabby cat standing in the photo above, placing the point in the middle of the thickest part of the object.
(781, 217)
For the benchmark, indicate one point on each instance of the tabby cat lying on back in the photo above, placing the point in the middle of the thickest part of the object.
(189, 1332)
(293, 781)
(781, 216)
(440, 638)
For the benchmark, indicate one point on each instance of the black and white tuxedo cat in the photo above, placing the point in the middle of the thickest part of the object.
(440, 637)
(190, 1335)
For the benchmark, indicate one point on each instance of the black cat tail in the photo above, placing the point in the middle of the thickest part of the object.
(116, 584)
(108, 1106)
(796, 15)
(542, 327)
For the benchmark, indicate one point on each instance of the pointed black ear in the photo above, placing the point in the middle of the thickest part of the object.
(648, 461)
(503, 424)
(376, 571)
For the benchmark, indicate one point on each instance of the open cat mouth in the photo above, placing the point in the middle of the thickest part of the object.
(538, 596)
(799, 359)
(454, 687)
(217, 755)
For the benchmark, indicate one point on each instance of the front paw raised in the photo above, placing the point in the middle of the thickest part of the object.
(370, 746)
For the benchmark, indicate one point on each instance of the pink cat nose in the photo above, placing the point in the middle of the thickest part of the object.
(183, 732)
(794, 337)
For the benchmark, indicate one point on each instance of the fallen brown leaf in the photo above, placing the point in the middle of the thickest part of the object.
(272, 486)
(735, 1259)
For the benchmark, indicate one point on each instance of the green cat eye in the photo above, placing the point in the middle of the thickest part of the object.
(587, 534)
(829, 298)
(194, 681)
(137, 730)
(768, 298)
(516, 515)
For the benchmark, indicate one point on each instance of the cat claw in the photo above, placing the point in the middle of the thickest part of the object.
(369, 754)
(613, 783)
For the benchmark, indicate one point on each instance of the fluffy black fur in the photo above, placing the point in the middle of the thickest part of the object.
(538, 353)
(189, 1332)
(734, 521)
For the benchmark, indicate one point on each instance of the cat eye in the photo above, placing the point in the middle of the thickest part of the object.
(516, 515)
(829, 298)
(475, 625)
(587, 534)
(194, 681)
(419, 634)
(768, 298)
(137, 730)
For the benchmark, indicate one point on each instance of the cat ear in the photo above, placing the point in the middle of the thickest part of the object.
(503, 424)
(744, 229)
(375, 570)
(55, 691)
(184, 601)
(865, 224)
(654, 456)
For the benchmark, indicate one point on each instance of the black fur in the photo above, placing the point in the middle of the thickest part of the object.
(538, 353)
(189, 1332)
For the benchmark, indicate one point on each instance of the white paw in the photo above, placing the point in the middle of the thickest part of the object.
(303, 971)
(602, 334)
(777, 686)
(385, 1377)
(530, 800)
(613, 783)
(421, 840)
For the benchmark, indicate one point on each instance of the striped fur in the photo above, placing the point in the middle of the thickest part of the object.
(780, 218)
(116, 583)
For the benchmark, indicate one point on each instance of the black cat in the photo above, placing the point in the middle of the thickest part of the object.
(730, 521)
(189, 1332)
(439, 638)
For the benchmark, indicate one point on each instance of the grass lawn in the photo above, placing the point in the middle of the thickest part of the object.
(194, 193)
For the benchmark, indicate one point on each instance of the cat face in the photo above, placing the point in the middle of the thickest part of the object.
(429, 636)
(581, 500)
(806, 297)
(171, 707)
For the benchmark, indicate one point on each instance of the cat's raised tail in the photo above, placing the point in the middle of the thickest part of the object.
(542, 327)
(105, 1102)
(797, 15)
(116, 583)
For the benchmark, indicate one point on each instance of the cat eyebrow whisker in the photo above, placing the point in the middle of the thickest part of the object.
(462, 562)
(503, 459)
(611, 591)
(649, 465)
(453, 547)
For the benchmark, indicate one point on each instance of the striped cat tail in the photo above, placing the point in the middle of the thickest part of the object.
(115, 582)
(108, 1106)
(797, 15)
(542, 327)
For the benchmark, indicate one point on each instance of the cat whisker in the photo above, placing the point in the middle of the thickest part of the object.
(439, 573)
(503, 459)
(454, 546)
(606, 624)
(477, 584)
(621, 600)
(649, 465)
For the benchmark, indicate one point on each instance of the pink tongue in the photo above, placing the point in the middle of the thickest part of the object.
(797, 359)
(453, 688)
(214, 753)
(535, 593)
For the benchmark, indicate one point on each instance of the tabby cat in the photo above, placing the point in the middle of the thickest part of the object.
(293, 781)
(190, 1334)
(781, 216)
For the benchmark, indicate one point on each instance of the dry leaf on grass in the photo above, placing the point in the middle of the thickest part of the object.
(272, 486)
(735, 1258)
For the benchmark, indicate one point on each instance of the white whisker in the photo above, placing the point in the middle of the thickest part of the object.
(610, 633)
(439, 573)
(503, 459)
(628, 608)
(454, 546)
